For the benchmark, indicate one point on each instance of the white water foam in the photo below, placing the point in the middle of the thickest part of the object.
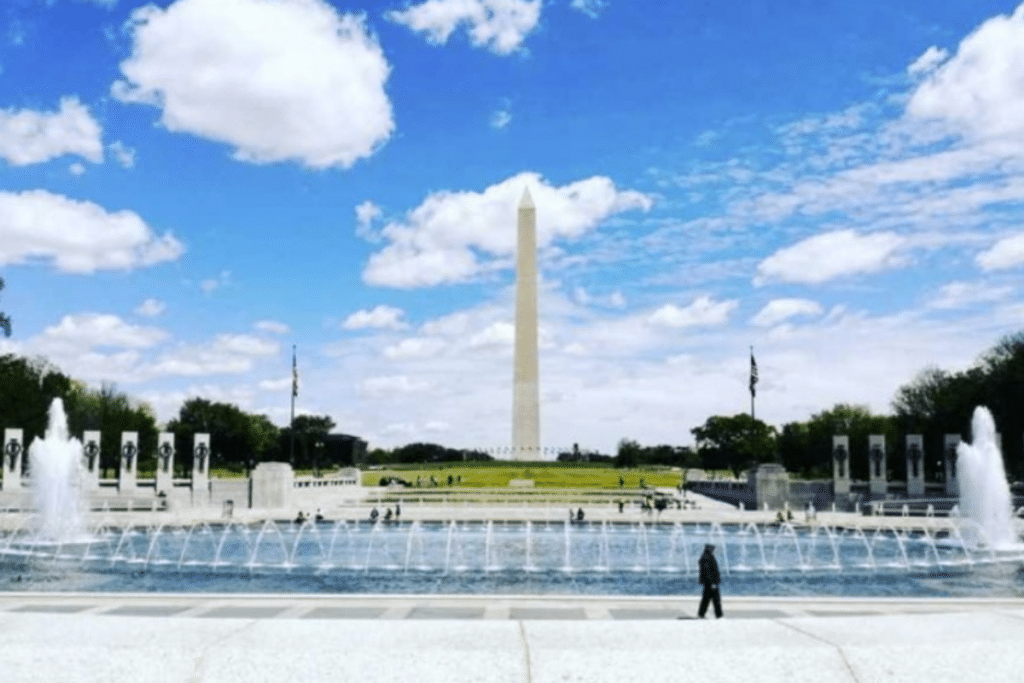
(56, 471)
(984, 492)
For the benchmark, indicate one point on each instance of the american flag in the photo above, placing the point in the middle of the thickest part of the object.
(295, 375)
(753, 374)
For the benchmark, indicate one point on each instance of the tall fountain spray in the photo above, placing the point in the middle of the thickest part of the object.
(984, 492)
(56, 471)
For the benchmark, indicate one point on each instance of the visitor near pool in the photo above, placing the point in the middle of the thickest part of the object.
(710, 579)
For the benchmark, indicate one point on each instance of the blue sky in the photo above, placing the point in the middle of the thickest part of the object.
(188, 188)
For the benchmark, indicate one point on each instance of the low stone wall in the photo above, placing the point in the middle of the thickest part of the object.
(816, 492)
(771, 486)
(729, 491)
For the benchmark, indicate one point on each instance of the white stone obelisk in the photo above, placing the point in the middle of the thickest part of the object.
(525, 387)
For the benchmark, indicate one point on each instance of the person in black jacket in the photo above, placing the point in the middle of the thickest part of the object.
(709, 579)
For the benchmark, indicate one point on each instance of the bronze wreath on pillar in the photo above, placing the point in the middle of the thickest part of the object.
(128, 452)
(13, 450)
(165, 455)
(876, 459)
(92, 450)
(840, 455)
(201, 452)
(915, 459)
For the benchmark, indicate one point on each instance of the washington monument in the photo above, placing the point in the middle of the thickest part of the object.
(525, 388)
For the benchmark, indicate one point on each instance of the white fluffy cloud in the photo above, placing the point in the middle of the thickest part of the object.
(979, 90)
(227, 353)
(928, 61)
(273, 385)
(279, 81)
(592, 8)
(78, 237)
(393, 384)
(387, 317)
(703, 312)
(124, 154)
(778, 310)
(1006, 253)
(92, 330)
(415, 347)
(449, 237)
(32, 137)
(498, 25)
(963, 294)
(499, 334)
(214, 283)
(272, 327)
(502, 117)
(834, 254)
(366, 214)
(151, 308)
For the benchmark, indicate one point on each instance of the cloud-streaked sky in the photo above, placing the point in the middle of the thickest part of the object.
(191, 187)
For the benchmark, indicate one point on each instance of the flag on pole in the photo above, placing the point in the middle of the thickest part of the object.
(295, 375)
(753, 373)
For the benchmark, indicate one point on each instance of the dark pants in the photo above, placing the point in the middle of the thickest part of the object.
(710, 595)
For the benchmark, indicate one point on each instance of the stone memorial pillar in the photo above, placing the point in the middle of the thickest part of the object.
(91, 459)
(272, 486)
(915, 466)
(950, 442)
(878, 479)
(771, 485)
(165, 463)
(126, 479)
(14, 449)
(841, 465)
(200, 469)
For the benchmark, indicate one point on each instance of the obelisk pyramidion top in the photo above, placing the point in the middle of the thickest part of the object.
(527, 201)
(525, 386)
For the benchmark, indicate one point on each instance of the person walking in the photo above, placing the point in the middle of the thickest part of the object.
(710, 580)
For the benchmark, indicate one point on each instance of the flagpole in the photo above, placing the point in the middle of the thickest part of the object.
(295, 391)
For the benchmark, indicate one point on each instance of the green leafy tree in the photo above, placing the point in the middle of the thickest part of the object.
(937, 402)
(736, 443)
(309, 431)
(1003, 369)
(111, 412)
(264, 438)
(631, 454)
(27, 388)
(796, 453)
(628, 453)
(230, 431)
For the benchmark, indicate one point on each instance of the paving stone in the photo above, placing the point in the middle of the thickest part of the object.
(248, 612)
(446, 613)
(631, 613)
(53, 609)
(146, 610)
(752, 614)
(528, 613)
(344, 613)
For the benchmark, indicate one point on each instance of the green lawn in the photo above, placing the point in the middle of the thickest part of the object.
(543, 475)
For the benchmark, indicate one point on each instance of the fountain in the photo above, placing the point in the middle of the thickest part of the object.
(985, 500)
(55, 464)
(861, 556)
